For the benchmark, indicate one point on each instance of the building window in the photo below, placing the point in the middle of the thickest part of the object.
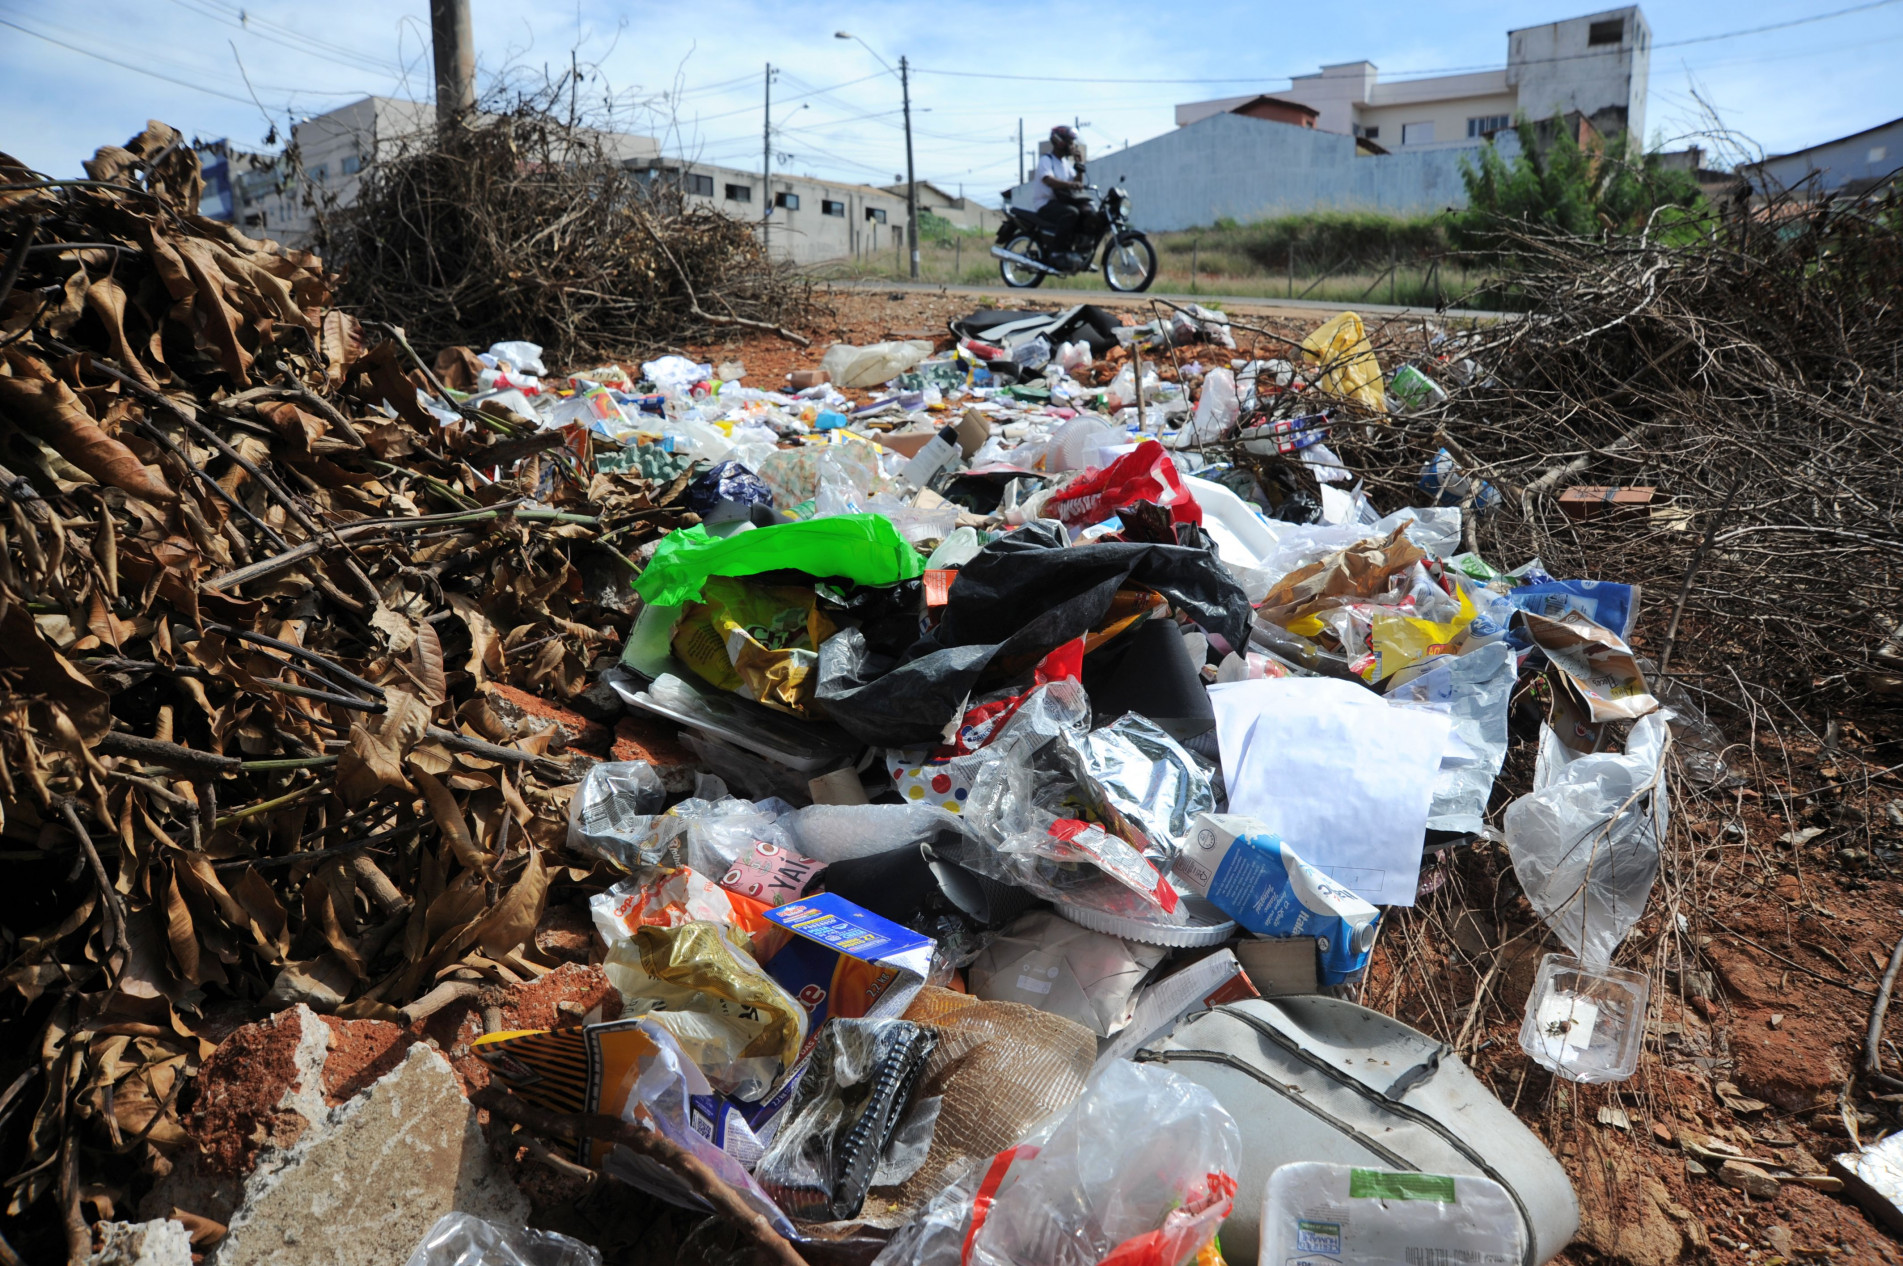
(1372, 133)
(320, 173)
(701, 185)
(828, 207)
(351, 165)
(1487, 125)
(876, 214)
(1417, 133)
(740, 193)
(1611, 31)
(1879, 152)
(791, 201)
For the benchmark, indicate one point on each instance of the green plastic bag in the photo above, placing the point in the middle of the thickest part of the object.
(863, 548)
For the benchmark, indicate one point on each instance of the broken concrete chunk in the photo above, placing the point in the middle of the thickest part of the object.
(160, 1242)
(1748, 1178)
(366, 1180)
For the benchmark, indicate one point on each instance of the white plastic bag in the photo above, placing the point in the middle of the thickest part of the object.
(1585, 840)
(1138, 1171)
(675, 375)
(524, 357)
(1217, 410)
(849, 366)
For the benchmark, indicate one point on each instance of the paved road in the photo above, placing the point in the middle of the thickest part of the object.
(1289, 307)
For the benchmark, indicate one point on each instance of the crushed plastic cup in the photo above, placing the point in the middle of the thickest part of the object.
(463, 1239)
(1584, 1024)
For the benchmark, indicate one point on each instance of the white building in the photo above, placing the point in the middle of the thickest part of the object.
(961, 211)
(811, 220)
(1596, 66)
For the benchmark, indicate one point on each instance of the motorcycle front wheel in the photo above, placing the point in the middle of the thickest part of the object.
(1017, 276)
(1129, 265)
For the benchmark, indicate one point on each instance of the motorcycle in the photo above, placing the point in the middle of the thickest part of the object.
(1027, 253)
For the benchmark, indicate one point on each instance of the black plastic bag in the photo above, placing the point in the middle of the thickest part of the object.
(1021, 597)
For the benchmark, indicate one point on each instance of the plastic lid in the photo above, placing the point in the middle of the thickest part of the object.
(1206, 925)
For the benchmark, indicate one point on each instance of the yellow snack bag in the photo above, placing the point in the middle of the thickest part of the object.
(760, 642)
(1400, 640)
(699, 982)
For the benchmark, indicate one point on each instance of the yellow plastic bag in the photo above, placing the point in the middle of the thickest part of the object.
(730, 1017)
(1341, 346)
(1400, 640)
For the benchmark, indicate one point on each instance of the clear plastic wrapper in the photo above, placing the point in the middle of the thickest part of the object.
(1476, 688)
(992, 737)
(1138, 1171)
(1217, 409)
(463, 1239)
(1141, 782)
(956, 549)
(611, 814)
(703, 986)
(833, 1138)
(1070, 860)
(1585, 840)
(719, 834)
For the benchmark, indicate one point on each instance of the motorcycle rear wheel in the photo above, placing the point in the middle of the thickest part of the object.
(1129, 266)
(1017, 276)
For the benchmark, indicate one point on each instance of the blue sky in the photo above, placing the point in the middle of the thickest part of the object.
(691, 72)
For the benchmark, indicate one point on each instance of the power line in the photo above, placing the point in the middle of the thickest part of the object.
(260, 28)
(140, 70)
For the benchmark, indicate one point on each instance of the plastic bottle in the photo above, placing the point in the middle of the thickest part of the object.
(1032, 354)
(931, 459)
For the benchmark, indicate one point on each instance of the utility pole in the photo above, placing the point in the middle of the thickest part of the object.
(1020, 151)
(911, 177)
(454, 41)
(766, 162)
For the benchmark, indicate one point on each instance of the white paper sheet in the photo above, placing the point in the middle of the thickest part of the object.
(1343, 776)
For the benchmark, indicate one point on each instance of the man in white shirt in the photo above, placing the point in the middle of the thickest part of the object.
(1055, 177)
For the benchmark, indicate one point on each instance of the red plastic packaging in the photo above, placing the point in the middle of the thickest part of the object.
(1147, 474)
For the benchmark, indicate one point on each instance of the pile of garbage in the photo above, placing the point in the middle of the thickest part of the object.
(920, 811)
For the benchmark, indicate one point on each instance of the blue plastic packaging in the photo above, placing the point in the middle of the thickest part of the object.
(1605, 603)
(1257, 880)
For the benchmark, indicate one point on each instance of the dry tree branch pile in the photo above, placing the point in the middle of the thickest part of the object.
(256, 604)
(520, 225)
(1749, 368)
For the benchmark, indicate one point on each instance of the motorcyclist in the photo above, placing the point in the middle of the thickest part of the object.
(1055, 185)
